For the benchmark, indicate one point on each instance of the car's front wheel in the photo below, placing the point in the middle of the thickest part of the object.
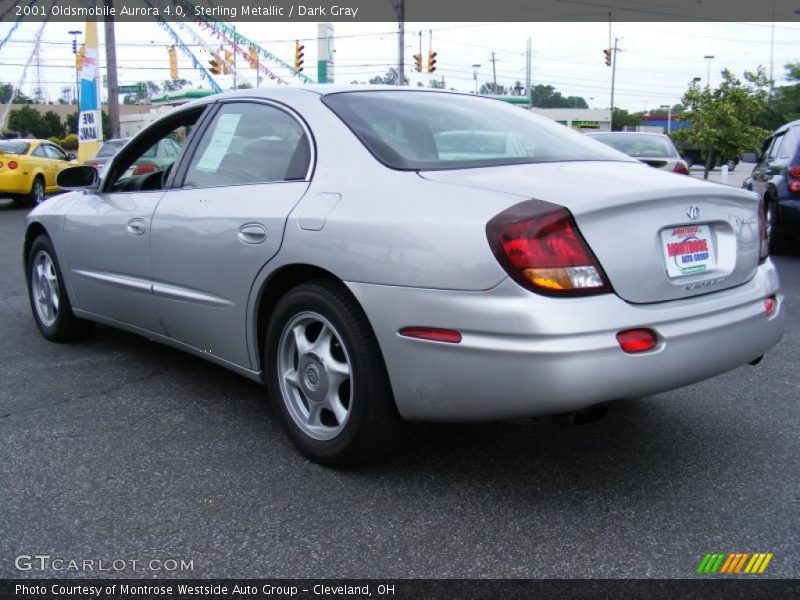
(326, 374)
(50, 304)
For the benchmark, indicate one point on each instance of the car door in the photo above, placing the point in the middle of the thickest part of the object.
(224, 221)
(40, 163)
(107, 234)
(58, 160)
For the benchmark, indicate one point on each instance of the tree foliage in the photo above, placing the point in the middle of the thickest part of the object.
(546, 96)
(19, 97)
(28, 122)
(622, 119)
(724, 120)
(392, 77)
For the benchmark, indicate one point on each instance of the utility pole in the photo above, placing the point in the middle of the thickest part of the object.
(234, 58)
(475, 68)
(400, 11)
(528, 74)
(75, 33)
(111, 67)
(613, 80)
(494, 72)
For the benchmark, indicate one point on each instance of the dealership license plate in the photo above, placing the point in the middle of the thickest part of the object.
(687, 250)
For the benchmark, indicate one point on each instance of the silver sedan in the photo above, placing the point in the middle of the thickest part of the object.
(380, 255)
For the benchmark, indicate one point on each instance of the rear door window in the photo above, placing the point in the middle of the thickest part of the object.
(247, 143)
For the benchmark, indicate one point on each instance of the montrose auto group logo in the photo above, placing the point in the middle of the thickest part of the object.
(734, 563)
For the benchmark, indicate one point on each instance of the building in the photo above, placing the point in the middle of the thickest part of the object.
(130, 125)
(582, 119)
(63, 110)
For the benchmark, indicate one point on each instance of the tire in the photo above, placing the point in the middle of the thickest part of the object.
(773, 235)
(37, 193)
(335, 402)
(50, 304)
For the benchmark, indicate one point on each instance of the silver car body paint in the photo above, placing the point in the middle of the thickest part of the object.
(412, 249)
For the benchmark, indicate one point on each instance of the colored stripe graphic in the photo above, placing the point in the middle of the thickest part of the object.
(734, 562)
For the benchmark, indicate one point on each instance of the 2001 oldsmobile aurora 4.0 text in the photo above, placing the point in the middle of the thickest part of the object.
(374, 255)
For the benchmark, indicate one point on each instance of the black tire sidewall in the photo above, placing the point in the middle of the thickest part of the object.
(370, 386)
(59, 328)
(33, 200)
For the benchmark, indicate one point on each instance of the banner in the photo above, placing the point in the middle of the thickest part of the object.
(90, 121)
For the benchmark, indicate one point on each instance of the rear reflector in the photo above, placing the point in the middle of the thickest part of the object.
(539, 246)
(794, 171)
(770, 304)
(432, 334)
(634, 341)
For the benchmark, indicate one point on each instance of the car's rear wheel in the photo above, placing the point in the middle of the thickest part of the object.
(37, 194)
(50, 304)
(326, 374)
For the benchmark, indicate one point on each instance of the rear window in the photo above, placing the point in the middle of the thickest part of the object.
(790, 143)
(110, 148)
(14, 147)
(639, 145)
(410, 130)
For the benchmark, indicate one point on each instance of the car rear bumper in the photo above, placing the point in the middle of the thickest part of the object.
(522, 354)
(14, 183)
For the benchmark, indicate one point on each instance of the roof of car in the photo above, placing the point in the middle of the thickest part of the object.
(788, 125)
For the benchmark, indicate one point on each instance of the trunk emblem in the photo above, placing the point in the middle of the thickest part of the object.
(693, 212)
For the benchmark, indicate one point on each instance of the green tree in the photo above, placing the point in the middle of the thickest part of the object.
(72, 123)
(492, 89)
(175, 85)
(723, 120)
(546, 96)
(19, 97)
(151, 89)
(785, 104)
(436, 84)
(52, 124)
(392, 77)
(622, 119)
(27, 122)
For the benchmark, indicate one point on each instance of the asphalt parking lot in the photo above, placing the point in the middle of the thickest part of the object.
(117, 448)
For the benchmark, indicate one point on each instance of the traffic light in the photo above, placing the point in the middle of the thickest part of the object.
(298, 56)
(607, 54)
(216, 68)
(432, 61)
(226, 65)
(253, 57)
(418, 63)
(173, 62)
(79, 58)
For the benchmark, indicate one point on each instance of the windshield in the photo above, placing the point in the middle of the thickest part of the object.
(110, 148)
(14, 147)
(638, 145)
(428, 130)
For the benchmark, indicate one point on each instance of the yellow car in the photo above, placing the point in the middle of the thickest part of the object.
(28, 169)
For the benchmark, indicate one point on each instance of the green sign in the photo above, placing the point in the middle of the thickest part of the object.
(136, 88)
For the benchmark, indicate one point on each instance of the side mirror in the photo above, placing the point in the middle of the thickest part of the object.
(75, 178)
(71, 156)
(749, 157)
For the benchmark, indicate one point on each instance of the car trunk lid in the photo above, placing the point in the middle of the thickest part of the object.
(658, 237)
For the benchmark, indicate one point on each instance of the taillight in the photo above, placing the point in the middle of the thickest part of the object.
(794, 186)
(12, 164)
(540, 247)
(770, 304)
(763, 246)
(634, 341)
(681, 167)
(144, 168)
(433, 334)
(794, 172)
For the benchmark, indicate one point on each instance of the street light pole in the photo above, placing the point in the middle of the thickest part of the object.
(669, 117)
(475, 76)
(709, 58)
(75, 33)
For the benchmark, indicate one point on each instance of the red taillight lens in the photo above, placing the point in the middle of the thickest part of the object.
(1, 164)
(12, 164)
(794, 172)
(634, 341)
(432, 334)
(794, 186)
(145, 168)
(681, 167)
(540, 247)
(770, 304)
(763, 246)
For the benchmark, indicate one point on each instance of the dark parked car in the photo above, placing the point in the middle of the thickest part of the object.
(776, 178)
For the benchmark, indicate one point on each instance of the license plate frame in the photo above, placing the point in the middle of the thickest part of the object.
(688, 250)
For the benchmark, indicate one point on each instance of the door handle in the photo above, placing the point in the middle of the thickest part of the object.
(136, 226)
(252, 233)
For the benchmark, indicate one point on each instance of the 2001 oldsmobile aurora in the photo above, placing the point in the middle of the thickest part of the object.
(379, 255)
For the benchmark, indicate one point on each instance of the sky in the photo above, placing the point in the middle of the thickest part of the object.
(656, 62)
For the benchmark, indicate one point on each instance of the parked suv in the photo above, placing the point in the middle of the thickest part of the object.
(776, 178)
